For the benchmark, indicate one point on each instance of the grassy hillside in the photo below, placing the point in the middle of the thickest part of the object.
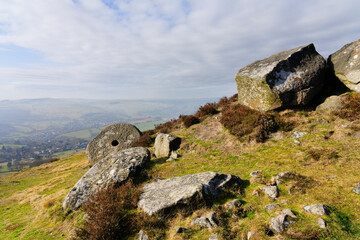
(326, 161)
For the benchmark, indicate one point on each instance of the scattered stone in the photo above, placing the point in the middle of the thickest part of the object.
(357, 189)
(256, 174)
(331, 103)
(181, 230)
(277, 135)
(297, 141)
(114, 169)
(234, 204)
(271, 206)
(289, 78)
(280, 223)
(249, 235)
(288, 212)
(321, 223)
(193, 191)
(319, 209)
(213, 237)
(165, 144)
(173, 156)
(111, 139)
(143, 236)
(298, 134)
(272, 191)
(209, 221)
(255, 193)
(282, 177)
(346, 65)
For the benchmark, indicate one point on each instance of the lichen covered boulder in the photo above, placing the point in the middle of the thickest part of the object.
(111, 139)
(346, 65)
(165, 144)
(114, 169)
(189, 191)
(289, 78)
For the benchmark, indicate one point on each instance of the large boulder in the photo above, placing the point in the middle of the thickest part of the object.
(331, 103)
(289, 78)
(111, 139)
(165, 144)
(114, 169)
(346, 65)
(189, 191)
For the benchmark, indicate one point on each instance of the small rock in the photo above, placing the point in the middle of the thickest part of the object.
(272, 191)
(234, 204)
(249, 235)
(297, 141)
(318, 209)
(165, 144)
(143, 236)
(322, 223)
(280, 223)
(255, 193)
(256, 174)
(271, 206)
(357, 189)
(213, 237)
(209, 221)
(298, 134)
(282, 177)
(181, 230)
(289, 212)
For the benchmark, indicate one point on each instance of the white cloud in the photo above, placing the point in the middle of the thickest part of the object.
(159, 48)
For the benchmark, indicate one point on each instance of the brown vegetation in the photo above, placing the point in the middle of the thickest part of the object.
(146, 139)
(351, 107)
(189, 120)
(207, 109)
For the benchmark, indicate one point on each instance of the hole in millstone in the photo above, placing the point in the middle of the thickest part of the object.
(114, 143)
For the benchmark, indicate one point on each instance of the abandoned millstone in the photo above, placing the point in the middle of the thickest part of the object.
(357, 189)
(111, 139)
(234, 204)
(165, 144)
(189, 191)
(143, 236)
(289, 78)
(280, 223)
(271, 206)
(209, 221)
(346, 65)
(114, 169)
(318, 209)
(271, 191)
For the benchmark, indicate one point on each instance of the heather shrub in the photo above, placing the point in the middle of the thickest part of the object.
(207, 109)
(189, 120)
(351, 107)
(234, 98)
(166, 127)
(145, 140)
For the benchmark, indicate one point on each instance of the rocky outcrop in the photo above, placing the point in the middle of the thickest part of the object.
(165, 144)
(114, 169)
(111, 139)
(289, 78)
(280, 223)
(346, 65)
(189, 191)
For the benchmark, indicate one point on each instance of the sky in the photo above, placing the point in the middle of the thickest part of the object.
(151, 49)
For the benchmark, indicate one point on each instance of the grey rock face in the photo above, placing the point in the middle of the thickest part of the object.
(346, 65)
(271, 191)
(357, 189)
(213, 237)
(321, 222)
(318, 209)
(111, 139)
(195, 190)
(288, 78)
(209, 221)
(114, 169)
(165, 144)
(331, 103)
(288, 211)
(256, 174)
(271, 206)
(280, 223)
(143, 236)
(298, 134)
(234, 204)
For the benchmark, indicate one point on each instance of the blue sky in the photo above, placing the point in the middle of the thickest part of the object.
(123, 49)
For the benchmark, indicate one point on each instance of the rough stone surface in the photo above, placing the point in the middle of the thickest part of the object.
(213, 237)
(209, 221)
(298, 134)
(288, 211)
(282, 177)
(321, 222)
(114, 169)
(289, 78)
(143, 236)
(346, 65)
(111, 139)
(195, 190)
(256, 174)
(271, 191)
(357, 189)
(234, 204)
(331, 103)
(271, 206)
(165, 144)
(318, 209)
(280, 223)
